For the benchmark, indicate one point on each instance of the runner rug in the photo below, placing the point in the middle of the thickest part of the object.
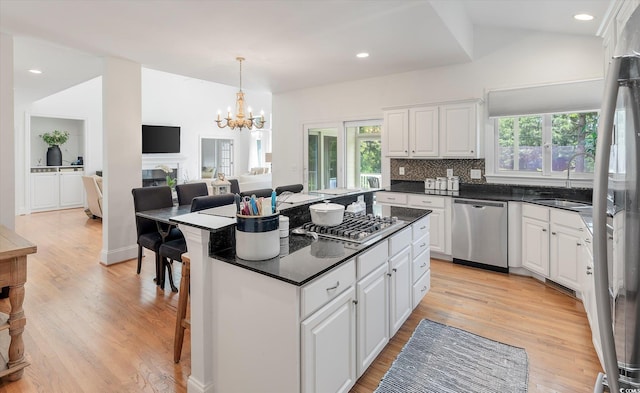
(443, 359)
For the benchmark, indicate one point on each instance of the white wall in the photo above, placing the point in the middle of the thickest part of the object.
(504, 58)
(7, 134)
(71, 149)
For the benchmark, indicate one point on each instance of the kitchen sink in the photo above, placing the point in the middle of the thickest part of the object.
(564, 203)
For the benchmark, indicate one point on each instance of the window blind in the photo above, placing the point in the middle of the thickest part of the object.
(553, 98)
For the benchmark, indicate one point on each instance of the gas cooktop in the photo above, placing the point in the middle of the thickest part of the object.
(356, 228)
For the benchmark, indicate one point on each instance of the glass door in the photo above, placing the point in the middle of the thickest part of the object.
(322, 161)
(363, 154)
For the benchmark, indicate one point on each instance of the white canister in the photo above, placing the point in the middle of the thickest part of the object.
(429, 184)
(284, 226)
(257, 237)
(454, 183)
(441, 183)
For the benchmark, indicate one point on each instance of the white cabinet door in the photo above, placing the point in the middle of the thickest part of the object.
(437, 231)
(396, 133)
(44, 191)
(423, 131)
(329, 347)
(400, 304)
(589, 295)
(458, 130)
(535, 245)
(373, 317)
(565, 250)
(71, 189)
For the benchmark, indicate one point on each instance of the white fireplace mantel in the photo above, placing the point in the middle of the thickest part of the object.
(152, 161)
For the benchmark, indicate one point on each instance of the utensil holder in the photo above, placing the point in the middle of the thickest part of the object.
(257, 237)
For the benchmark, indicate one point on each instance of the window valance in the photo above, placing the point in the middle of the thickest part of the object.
(552, 98)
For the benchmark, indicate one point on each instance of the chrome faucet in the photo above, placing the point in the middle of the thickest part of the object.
(568, 182)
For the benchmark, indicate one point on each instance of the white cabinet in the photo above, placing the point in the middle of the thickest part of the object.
(44, 191)
(459, 131)
(400, 304)
(372, 292)
(421, 260)
(439, 220)
(396, 132)
(391, 198)
(423, 132)
(448, 130)
(329, 346)
(588, 292)
(551, 244)
(535, 239)
(55, 188)
(373, 316)
(566, 243)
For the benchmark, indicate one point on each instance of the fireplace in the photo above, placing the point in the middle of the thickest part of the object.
(157, 177)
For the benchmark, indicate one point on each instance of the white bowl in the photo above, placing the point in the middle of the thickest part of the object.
(327, 214)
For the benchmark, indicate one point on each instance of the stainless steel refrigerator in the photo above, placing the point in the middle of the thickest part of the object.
(616, 197)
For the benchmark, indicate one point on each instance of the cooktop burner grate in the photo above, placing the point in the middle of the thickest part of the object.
(356, 228)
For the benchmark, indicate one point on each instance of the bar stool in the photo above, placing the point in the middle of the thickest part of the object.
(182, 322)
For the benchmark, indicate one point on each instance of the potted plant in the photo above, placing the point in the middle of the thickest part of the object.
(54, 140)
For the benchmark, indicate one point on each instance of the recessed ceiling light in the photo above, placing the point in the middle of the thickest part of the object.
(34, 71)
(362, 55)
(585, 17)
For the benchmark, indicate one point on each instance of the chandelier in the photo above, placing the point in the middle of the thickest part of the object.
(240, 122)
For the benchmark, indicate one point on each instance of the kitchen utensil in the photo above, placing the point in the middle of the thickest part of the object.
(302, 231)
(257, 237)
(327, 214)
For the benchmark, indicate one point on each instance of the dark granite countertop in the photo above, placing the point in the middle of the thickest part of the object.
(302, 258)
(497, 192)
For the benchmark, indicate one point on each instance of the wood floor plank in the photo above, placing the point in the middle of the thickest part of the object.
(92, 328)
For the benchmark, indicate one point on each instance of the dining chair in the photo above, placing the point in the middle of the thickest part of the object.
(263, 192)
(186, 192)
(176, 250)
(235, 186)
(148, 236)
(374, 182)
(291, 187)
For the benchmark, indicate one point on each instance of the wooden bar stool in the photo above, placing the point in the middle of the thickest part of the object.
(182, 322)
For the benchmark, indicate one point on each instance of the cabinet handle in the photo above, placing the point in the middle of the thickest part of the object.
(589, 268)
(389, 274)
(544, 229)
(581, 229)
(553, 233)
(578, 244)
(471, 151)
(394, 270)
(423, 244)
(423, 265)
(355, 302)
(587, 241)
(423, 289)
(391, 199)
(405, 151)
(336, 286)
(423, 227)
(427, 202)
(413, 151)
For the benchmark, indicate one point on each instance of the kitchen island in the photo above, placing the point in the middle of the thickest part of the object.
(311, 319)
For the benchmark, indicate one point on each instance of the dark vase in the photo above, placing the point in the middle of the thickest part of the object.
(54, 156)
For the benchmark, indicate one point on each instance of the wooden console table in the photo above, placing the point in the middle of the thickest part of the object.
(13, 274)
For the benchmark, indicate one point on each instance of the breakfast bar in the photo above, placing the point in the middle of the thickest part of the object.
(288, 324)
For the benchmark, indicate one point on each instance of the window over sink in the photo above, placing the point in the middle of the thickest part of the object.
(546, 144)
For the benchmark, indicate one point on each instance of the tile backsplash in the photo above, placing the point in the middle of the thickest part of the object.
(422, 169)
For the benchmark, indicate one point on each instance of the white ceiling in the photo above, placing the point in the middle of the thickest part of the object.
(287, 44)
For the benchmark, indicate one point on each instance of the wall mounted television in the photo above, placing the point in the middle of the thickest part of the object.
(160, 139)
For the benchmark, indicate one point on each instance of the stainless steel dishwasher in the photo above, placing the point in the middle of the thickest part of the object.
(479, 234)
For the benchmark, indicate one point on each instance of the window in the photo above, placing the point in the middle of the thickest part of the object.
(546, 144)
(216, 156)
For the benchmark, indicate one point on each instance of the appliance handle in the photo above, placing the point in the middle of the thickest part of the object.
(600, 190)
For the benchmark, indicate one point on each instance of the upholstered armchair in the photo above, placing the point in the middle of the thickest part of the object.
(93, 188)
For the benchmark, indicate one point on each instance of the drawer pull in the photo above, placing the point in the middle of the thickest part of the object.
(423, 227)
(391, 199)
(423, 265)
(335, 287)
(423, 244)
(394, 270)
(544, 229)
(427, 202)
(389, 274)
(355, 302)
(423, 289)
(578, 244)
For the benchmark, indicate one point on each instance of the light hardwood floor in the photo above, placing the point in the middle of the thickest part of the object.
(92, 328)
